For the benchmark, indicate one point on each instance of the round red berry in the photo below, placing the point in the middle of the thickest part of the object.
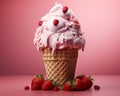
(56, 89)
(55, 22)
(26, 88)
(40, 23)
(96, 87)
(64, 9)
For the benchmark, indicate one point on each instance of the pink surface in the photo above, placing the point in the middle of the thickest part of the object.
(99, 20)
(14, 86)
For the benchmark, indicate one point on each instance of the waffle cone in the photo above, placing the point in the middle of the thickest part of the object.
(61, 65)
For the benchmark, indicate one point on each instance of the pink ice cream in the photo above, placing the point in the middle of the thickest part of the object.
(59, 29)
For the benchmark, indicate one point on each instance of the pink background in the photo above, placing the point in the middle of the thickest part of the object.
(99, 19)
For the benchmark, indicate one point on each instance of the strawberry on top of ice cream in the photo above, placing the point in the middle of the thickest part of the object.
(59, 29)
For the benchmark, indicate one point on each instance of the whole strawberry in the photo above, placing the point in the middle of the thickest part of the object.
(56, 88)
(37, 82)
(47, 85)
(68, 86)
(86, 80)
(78, 84)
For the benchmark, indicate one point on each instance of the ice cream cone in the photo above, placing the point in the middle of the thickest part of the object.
(59, 36)
(60, 66)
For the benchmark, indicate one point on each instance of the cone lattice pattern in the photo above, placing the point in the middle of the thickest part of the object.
(61, 65)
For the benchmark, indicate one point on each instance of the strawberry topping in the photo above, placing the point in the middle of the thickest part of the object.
(40, 23)
(64, 9)
(55, 22)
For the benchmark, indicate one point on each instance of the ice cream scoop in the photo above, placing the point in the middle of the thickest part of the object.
(59, 29)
